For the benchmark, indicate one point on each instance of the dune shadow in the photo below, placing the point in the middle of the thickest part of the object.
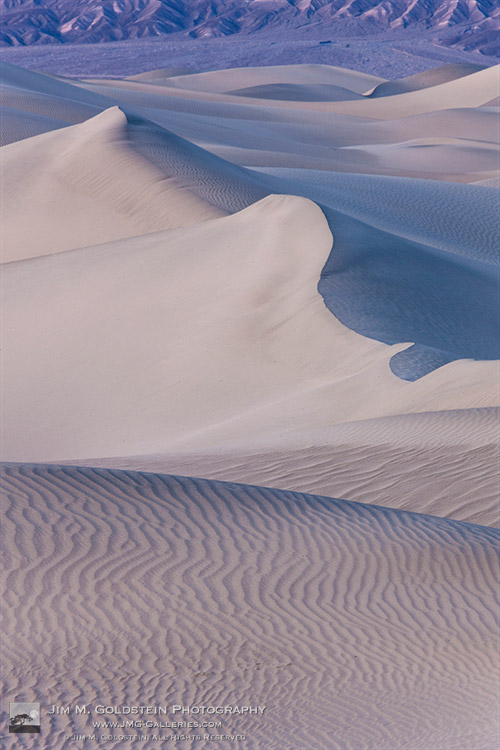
(395, 290)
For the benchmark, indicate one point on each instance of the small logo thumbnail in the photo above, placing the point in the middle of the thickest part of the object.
(24, 717)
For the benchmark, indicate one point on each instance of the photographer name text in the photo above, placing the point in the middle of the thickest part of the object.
(174, 710)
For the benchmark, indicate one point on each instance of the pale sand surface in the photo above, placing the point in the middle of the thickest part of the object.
(426, 79)
(475, 90)
(392, 246)
(222, 81)
(441, 463)
(113, 339)
(275, 277)
(85, 185)
(356, 626)
(446, 482)
(265, 420)
(300, 130)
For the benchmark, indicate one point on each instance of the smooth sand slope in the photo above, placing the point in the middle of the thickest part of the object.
(86, 184)
(201, 334)
(426, 79)
(222, 81)
(357, 627)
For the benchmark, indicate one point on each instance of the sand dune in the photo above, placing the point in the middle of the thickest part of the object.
(441, 463)
(432, 77)
(64, 177)
(276, 143)
(92, 170)
(116, 362)
(480, 124)
(272, 277)
(458, 483)
(426, 155)
(177, 183)
(346, 87)
(297, 93)
(355, 626)
(294, 137)
(473, 90)
(382, 203)
(223, 81)
(158, 75)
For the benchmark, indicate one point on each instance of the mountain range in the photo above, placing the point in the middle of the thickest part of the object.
(466, 24)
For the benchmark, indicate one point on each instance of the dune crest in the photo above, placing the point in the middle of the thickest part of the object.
(88, 170)
(428, 78)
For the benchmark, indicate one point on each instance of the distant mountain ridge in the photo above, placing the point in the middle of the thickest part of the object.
(26, 22)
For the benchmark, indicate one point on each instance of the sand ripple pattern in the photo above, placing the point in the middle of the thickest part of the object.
(357, 626)
(448, 482)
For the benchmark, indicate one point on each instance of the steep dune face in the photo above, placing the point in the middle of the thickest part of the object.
(355, 626)
(225, 309)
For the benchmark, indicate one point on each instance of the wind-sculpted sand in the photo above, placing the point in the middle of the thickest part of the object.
(355, 626)
(284, 278)
(90, 170)
(200, 335)
(441, 463)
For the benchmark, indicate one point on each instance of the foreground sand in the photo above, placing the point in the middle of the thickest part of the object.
(356, 626)
(283, 277)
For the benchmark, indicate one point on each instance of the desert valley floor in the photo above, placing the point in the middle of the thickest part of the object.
(250, 392)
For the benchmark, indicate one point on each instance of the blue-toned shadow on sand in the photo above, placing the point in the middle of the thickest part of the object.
(395, 290)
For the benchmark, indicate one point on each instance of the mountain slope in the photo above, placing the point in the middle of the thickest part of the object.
(25, 22)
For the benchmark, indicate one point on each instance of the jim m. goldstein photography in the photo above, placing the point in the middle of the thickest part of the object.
(249, 372)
